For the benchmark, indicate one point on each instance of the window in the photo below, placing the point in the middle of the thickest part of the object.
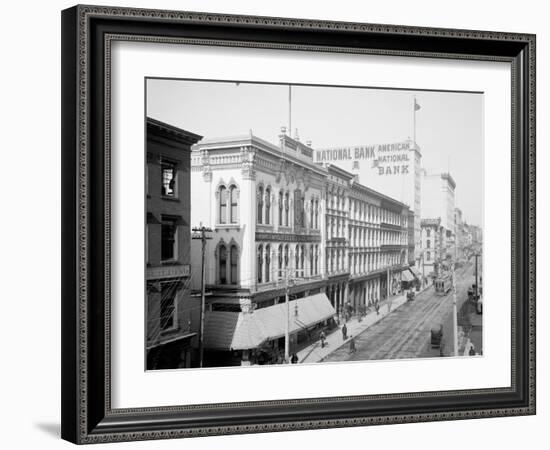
(312, 214)
(267, 205)
(234, 204)
(234, 261)
(297, 261)
(316, 264)
(280, 261)
(428, 232)
(267, 263)
(428, 243)
(223, 205)
(287, 208)
(260, 203)
(428, 256)
(281, 202)
(260, 262)
(311, 261)
(316, 214)
(302, 257)
(286, 256)
(223, 264)
(168, 177)
(169, 230)
(168, 306)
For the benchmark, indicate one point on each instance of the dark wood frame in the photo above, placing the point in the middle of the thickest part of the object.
(87, 32)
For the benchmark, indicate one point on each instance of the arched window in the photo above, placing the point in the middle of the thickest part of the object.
(302, 258)
(280, 261)
(286, 256)
(267, 205)
(281, 203)
(311, 261)
(260, 262)
(287, 208)
(316, 214)
(312, 214)
(316, 263)
(223, 205)
(260, 203)
(428, 256)
(428, 232)
(234, 261)
(297, 261)
(428, 243)
(223, 264)
(267, 263)
(234, 204)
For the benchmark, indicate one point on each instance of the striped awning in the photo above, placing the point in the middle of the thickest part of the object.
(224, 330)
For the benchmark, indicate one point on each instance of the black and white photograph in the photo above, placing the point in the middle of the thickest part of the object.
(298, 224)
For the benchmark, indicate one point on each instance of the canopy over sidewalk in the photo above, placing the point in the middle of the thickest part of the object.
(225, 330)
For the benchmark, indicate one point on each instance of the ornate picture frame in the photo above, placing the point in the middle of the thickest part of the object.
(88, 33)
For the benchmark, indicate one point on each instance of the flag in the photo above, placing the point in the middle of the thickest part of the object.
(416, 105)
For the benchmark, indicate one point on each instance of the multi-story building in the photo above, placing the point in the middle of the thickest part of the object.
(367, 242)
(172, 315)
(283, 224)
(393, 169)
(438, 201)
(432, 250)
(265, 204)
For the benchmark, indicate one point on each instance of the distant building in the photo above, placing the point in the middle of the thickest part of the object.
(432, 247)
(438, 201)
(171, 315)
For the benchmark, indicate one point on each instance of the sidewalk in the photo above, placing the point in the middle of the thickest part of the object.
(314, 353)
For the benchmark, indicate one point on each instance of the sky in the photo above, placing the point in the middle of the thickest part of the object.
(449, 125)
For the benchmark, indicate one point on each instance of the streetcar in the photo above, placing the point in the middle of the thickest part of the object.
(443, 284)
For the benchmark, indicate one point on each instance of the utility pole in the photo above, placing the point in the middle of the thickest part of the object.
(455, 314)
(200, 233)
(476, 293)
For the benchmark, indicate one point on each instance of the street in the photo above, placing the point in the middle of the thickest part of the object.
(405, 333)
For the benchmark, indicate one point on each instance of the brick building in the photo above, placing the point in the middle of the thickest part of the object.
(172, 315)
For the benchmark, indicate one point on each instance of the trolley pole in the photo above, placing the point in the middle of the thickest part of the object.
(287, 305)
(200, 233)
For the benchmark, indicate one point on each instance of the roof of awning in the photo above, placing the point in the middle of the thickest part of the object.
(407, 275)
(239, 331)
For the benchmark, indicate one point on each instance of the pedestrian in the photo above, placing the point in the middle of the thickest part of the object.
(344, 332)
(352, 348)
(323, 337)
(377, 307)
(294, 358)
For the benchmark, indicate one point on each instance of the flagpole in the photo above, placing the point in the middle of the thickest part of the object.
(290, 110)
(414, 121)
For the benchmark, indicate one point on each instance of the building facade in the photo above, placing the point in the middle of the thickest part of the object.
(393, 169)
(432, 247)
(172, 315)
(438, 201)
(283, 224)
(265, 204)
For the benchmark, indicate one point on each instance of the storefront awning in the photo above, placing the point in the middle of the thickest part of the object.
(225, 330)
(407, 275)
